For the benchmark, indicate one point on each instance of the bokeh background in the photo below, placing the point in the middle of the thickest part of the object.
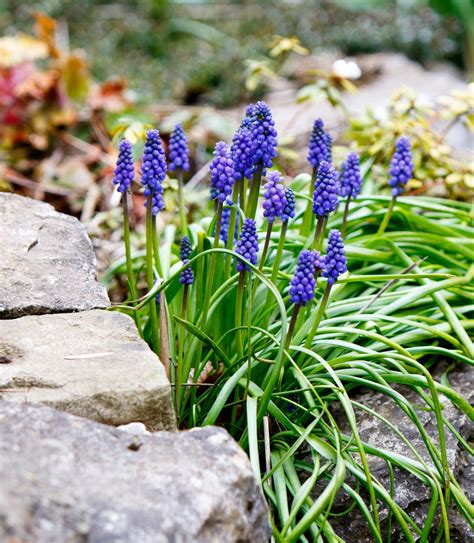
(77, 76)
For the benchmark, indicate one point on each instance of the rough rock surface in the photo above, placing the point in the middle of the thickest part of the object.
(92, 364)
(409, 492)
(47, 263)
(70, 480)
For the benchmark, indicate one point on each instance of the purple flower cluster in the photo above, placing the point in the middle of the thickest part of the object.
(263, 135)
(185, 248)
(325, 198)
(222, 173)
(303, 281)
(350, 181)
(320, 145)
(401, 166)
(241, 151)
(274, 199)
(178, 150)
(290, 206)
(187, 276)
(124, 172)
(153, 169)
(335, 260)
(247, 245)
(248, 119)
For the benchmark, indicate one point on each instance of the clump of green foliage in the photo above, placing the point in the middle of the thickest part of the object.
(237, 358)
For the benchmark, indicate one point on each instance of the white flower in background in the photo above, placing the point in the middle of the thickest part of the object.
(347, 69)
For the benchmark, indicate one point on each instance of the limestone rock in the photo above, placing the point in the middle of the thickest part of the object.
(67, 479)
(92, 364)
(47, 263)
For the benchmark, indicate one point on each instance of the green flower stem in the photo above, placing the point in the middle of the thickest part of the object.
(319, 315)
(279, 253)
(251, 208)
(156, 248)
(231, 232)
(180, 378)
(242, 192)
(212, 266)
(150, 275)
(238, 313)
(182, 210)
(387, 217)
(291, 328)
(344, 219)
(276, 265)
(319, 233)
(308, 214)
(128, 257)
(266, 245)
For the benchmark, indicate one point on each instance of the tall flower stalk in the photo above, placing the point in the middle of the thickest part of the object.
(153, 172)
(319, 150)
(335, 264)
(179, 162)
(401, 170)
(264, 143)
(124, 174)
(350, 183)
(274, 201)
(222, 182)
(325, 200)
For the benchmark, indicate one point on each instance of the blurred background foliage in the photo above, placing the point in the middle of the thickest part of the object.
(192, 51)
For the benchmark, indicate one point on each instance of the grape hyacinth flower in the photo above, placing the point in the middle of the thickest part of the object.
(153, 170)
(124, 172)
(325, 198)
(401, 170)
(401, 166)
(303, 281)
(185, 248)
(241, 151)
(178, 150)
(335, 259)
(222, 174)
(320, 145)
(274, 197)
(247, 245)
(187, 276)
(124, 175)
(350, 181)
(289, 207)
(247, 121)
(264, 136)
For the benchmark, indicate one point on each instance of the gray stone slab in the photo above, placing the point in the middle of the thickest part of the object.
(92, 364)
(69, 480)
(47, 263)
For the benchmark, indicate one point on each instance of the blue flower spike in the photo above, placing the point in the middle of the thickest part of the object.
(247, 246)
(303, 281)
(401, 166)
(274, 197)
(222, 174)
(325, 198)
(350, 181)
(335, 263)
(289, 209)
(153, 170)
(320, 145)
(178, 150)
(124, 172)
